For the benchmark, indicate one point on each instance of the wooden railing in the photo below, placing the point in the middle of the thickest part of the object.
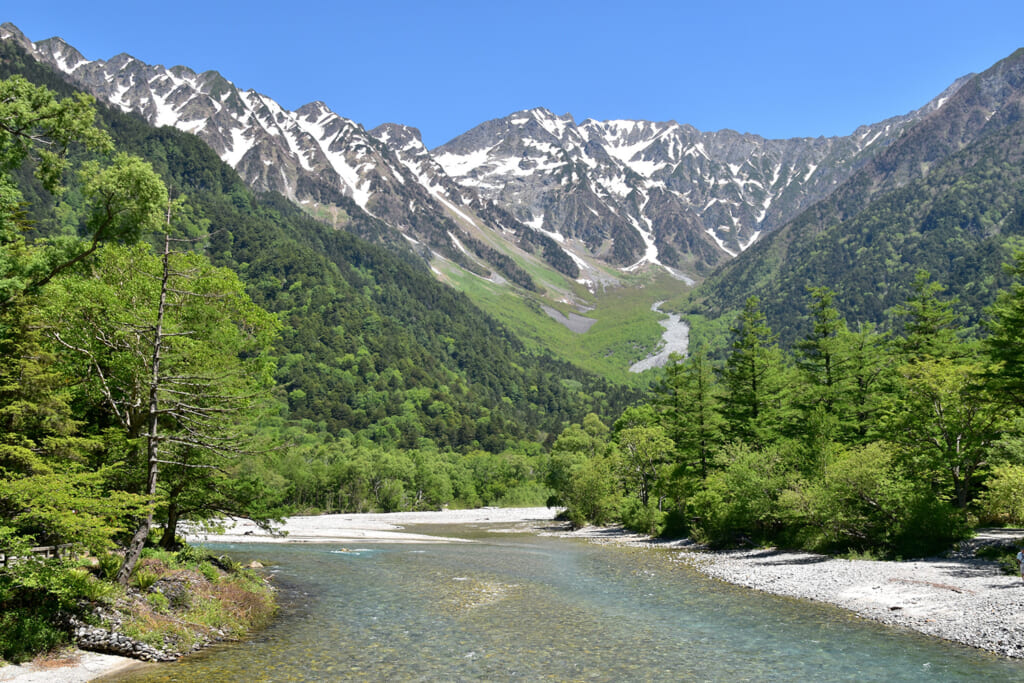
(45, 552)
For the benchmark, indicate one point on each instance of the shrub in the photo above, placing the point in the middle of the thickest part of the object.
(28, 612)
(26, 631)
(1002, 503)
(740, 502)
(190, 555)
(168, 558)
(158, 601)
(1004, 556)
(210, 572)
(80, 583)
(144, 578)
(109, 565)
(643, 519)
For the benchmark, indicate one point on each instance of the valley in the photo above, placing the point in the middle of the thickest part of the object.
(533, 209)
(213, 305)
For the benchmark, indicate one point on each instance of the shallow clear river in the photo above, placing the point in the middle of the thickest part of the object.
(517, 606)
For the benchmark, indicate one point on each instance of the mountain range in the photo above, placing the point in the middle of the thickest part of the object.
(577, 196)
(549, 208)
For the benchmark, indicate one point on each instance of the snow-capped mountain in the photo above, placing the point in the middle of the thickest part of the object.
(639, 192)
(311, 155)
(529, 186)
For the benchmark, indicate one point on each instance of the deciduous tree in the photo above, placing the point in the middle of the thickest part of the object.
(178, 353)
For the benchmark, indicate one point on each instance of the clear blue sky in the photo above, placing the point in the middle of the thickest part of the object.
(777, 69)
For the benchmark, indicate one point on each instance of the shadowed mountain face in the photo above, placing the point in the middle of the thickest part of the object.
(531, 187)
(947, 197)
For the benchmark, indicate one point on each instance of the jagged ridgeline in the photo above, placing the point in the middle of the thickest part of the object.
(373, 343)
(947, 196)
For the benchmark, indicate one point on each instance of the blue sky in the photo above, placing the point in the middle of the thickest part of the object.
(778, 69)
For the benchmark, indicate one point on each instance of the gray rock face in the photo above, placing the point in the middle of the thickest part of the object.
(638, 190)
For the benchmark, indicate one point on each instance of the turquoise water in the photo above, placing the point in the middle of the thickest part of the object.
(520, 607)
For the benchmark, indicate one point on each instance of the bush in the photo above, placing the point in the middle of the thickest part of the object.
(929, 527)
(643, 519)
(190, 555)
(525, 494)
(1005, 556)
(168, 558)
(863, 503)
(740, 502)
(80, 583)
(28, 613)
(676, 524)
(1002, 503)
(159, 602)
(144, 578)
(25, 631)
(591, 496)
(109, 565)
(210, 572)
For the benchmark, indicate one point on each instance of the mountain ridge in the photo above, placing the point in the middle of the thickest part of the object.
(945, 195)
(575, 197)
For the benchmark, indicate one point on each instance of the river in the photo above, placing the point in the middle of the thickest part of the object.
(523, 607)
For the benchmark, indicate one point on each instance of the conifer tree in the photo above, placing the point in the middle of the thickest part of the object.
(929, 323)
(690, 401)
(756, 401)
(1005, 343)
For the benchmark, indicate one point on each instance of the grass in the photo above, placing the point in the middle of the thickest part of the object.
(175, 601)
(626, 329)
(197, 603)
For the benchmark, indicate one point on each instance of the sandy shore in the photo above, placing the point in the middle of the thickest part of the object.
(379, 527)
(77, 667)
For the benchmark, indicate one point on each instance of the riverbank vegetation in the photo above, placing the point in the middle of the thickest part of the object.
(174, 604)
(891, 440)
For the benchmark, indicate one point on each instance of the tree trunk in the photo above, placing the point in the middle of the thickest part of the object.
(138, 542)
(168, 540)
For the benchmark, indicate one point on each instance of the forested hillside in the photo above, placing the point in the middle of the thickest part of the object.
(373, 345)
(946, 197)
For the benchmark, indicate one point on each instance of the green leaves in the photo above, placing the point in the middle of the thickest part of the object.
(124, 200)
(35, 125)
(1005, 343)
